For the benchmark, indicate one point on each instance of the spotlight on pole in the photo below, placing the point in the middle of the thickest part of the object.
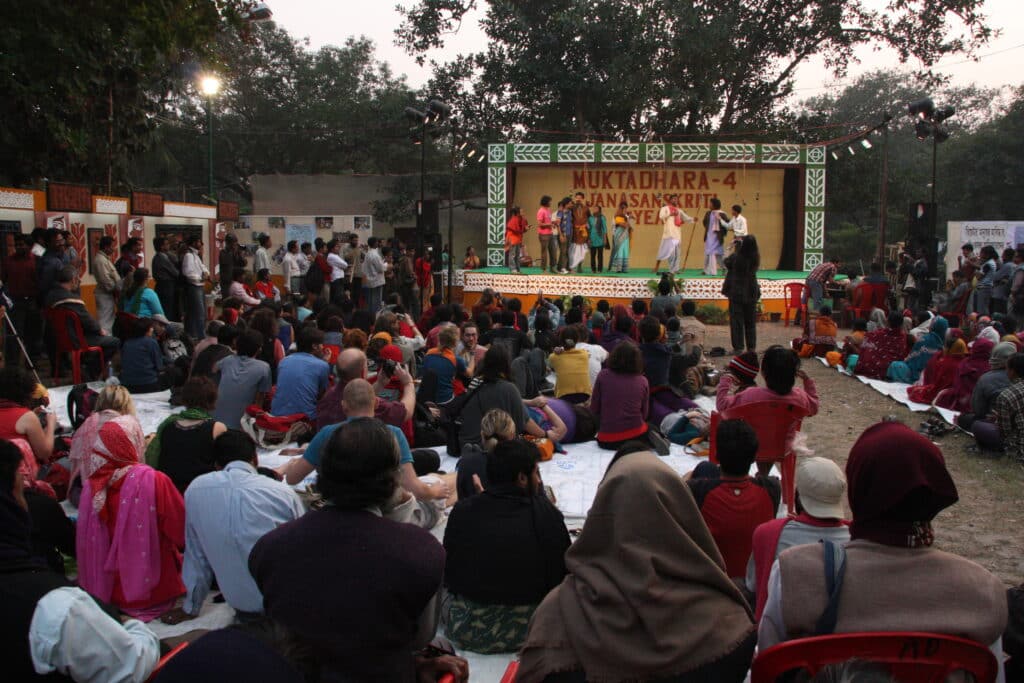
(866, 144)
(835, 155)
(414, 115)
(941, 133)
(923, 108)
(943, 113)
(849, 149)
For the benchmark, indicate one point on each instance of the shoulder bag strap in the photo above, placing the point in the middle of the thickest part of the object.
(835, 571)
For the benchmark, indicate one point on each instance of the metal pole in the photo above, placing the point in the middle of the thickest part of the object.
(935, 210)
(451, 224)
(883, 198)
(423, 176)
(209, 130)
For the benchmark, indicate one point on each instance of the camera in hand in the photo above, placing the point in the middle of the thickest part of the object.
(388, 366)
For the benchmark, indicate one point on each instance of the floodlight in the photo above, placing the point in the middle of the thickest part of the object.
(866, 144)
(923, 108)
(209, 85)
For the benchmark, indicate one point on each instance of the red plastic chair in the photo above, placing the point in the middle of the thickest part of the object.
(163, 661)
(794, 299)
(868, 296)
(510, 673)
(775, 423)
(910, 657)
(60, 319)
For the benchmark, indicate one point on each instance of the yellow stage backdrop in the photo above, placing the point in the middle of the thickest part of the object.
(758, 191)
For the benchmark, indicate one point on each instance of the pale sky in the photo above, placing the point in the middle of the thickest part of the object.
(327, 22)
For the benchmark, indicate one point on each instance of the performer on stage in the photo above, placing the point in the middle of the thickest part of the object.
(623, 230)
(713, 237)
(672, 218)
(514, 231)
(738, 225)
(563, 222)
(548, 242)
(580, 232)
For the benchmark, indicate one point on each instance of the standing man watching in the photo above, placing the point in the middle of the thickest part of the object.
(374, 270)
(823, 275)
(290, 269)
(338, 267)
(262, 259)
(228, 259)
(196, 276)
(166, 274)
(20, 277)
(108, 282)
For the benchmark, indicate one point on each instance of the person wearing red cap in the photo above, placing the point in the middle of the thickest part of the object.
(889, 577)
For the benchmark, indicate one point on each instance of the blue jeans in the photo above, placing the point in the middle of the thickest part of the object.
(815, 292)
(195, 311)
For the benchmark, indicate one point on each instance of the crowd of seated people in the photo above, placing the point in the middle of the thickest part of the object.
(682, 590)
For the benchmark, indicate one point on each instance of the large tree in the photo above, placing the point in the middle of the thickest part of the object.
(664, 67)
(82, 82)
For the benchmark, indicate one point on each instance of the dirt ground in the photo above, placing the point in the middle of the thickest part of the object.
(985, 525)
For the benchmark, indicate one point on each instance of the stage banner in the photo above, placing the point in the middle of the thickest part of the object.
(996, 234)
(758, 191)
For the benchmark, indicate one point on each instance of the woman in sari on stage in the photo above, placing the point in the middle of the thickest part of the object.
(623, 230)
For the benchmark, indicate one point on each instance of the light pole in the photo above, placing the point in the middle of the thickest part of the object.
(929, 124)
(435, 112)
(209, 85)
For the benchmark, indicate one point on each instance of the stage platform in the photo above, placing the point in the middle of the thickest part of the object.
(620, 287)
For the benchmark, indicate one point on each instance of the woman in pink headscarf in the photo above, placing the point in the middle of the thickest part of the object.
(131, 525)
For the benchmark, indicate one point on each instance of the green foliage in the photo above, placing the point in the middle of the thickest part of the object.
(628, 67)
(710, 314)
(75, 74)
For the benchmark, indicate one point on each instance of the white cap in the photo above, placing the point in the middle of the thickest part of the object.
(821, 485)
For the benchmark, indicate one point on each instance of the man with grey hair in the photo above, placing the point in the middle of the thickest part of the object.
(351, 364)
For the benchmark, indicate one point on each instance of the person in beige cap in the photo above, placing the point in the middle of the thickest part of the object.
(820, 492)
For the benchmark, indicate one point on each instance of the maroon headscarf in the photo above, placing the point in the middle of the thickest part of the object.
(970, 371)
(898, 482)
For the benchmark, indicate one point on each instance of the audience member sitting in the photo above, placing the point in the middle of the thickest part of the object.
(665, 298)
(505, 550)
(131, 525)
(469, 348)
(950, 301)
(571, 367)
(898, 482)
(183, 447)
(349, 559)
(881, 347)
(505, 333)
(426, 321)
(352, 364)
(142, 301)
(496, 427)
(442, 319)
(622, 331)
(355, 339)
(244, 380)
(940, 373)
(604, 622)
(53, 534)
(142, 362)
(656, 355)
(1009, 411)
(744, 369)
(445, 366)
(302, 377)
(781, 368)
(265, 288)
(990, 384)
(735, 504)
(976, 364)
(358, 403)
(820, 489)
(334, 331)
(264, 321)
(226, 512)
(853, 341)
(492, 389)
(692, 328)
(53, 628)
(20, 413)
(824, 338)
(238, 289)
(204, 363)
(932, 342)
(212, 328)
(66, 297)
(621, 398)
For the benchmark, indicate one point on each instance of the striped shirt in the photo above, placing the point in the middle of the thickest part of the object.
(1009, 410)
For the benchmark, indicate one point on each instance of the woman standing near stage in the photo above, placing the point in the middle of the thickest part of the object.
(618, 261)
(742, 290)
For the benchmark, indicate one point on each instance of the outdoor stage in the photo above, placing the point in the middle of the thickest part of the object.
(617, 287)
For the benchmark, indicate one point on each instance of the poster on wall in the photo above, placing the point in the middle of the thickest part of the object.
(325, 222)
(300, 232)
(244, 223)
(136, 228)
(275, 222)
(363, 226)
(57, 222)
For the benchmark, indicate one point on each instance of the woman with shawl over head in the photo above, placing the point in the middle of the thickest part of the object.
(647, 597)
(131, 525)
(893, 579)
(958, 397)
(882, 347)
(941, 371)
(909, 370)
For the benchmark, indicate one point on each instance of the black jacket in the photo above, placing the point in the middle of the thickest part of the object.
(505, 547)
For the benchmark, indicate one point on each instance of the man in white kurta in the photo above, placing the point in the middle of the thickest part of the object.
(738, 225)
(672, 218)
